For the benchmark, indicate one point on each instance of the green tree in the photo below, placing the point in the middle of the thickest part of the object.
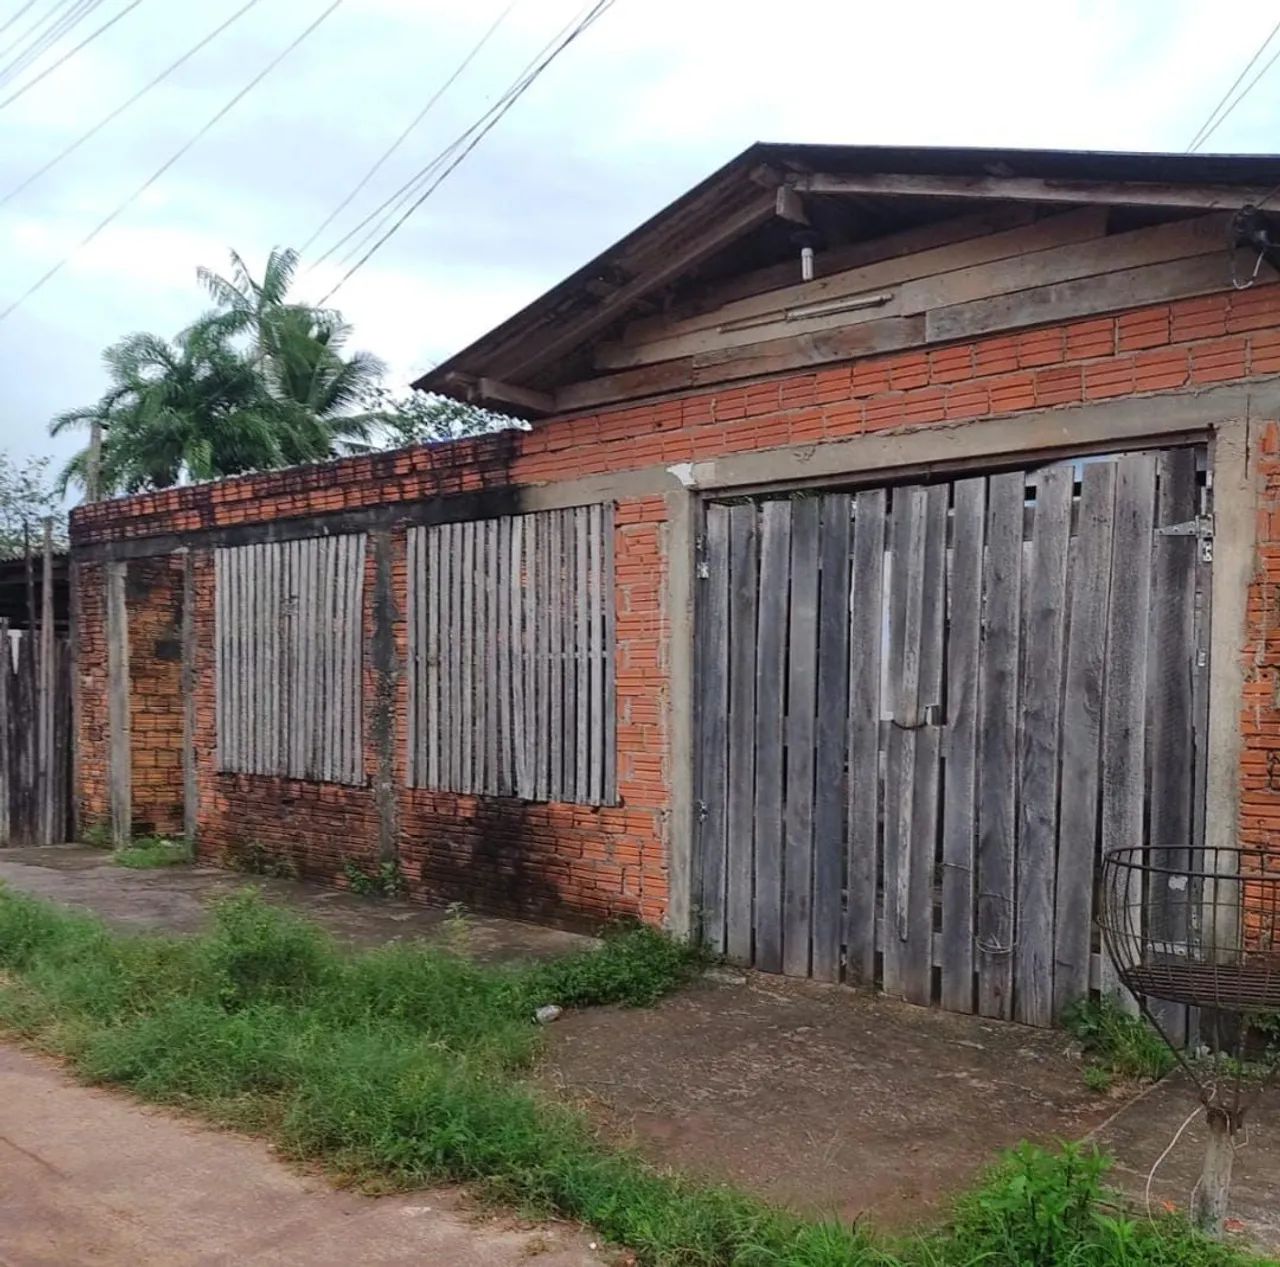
(27, 497)
(258, 383)
(421, 418)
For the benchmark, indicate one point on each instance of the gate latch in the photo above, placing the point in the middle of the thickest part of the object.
(1201, 527)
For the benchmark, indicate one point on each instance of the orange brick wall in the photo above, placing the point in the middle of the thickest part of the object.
(574, 859)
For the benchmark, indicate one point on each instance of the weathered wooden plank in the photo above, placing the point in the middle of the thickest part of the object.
(801, 719)
(992, 264)
(356, 619)
(451, 550)
(914, 241)
(502, 565)
(830, 791)
(1126, 288)
(866, 637)
(595, 570)
(713, 729)
(1170, 704)
(771, 653)
(554, 618)
(582, 565)
(495, 683)
(7, 723)
(1045, 594)
(741, 759)
(1081, 727)
(572, 652)
(520, 659)
(119, 760)
(306, 581)
(541, 718)
(431, 606)
(468, 674)
(959, 806)
(998, 760)
(1123, 714)
(609, 604)
(916, 952)
(479, 656)
(47, 698)
(297, 643)
(906, 611)
(75, 718)
(331, 586)
(415, 684)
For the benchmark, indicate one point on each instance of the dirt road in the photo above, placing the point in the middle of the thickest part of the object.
(91, 1177)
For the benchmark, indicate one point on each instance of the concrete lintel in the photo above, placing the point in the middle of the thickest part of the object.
(681, 544)
(1113, 424)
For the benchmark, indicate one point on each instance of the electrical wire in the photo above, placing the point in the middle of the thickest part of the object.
(1202, 135)
(1248, 88)
(171, 160)
(88, 39)
(597, 10)
(386, 210)
(48, 40)
(472, 137)
(33, 28)
(16, 15)
(124, 105)
(422, 114)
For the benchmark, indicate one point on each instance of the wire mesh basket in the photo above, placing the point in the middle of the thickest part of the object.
(1200, 928)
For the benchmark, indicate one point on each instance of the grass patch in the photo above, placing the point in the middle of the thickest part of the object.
(153, 851)
(402, 1066)
(1116, 1045)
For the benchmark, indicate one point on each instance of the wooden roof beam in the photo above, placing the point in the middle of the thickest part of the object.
(678, 260)
(1029, 189)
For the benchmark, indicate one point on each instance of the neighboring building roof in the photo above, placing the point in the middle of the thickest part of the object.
(762, 206)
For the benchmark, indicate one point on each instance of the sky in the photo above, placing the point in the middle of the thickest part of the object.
(651, 99)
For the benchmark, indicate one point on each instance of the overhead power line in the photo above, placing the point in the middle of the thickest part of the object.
(1215, 119)
(472, 137)
(390, 206)
(16, 15)
(413, 123)
(69, 149)
(47, 39)
(71, 52)
(171, 160)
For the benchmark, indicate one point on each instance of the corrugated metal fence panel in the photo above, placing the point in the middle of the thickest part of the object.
(288, 658)
(511, 646)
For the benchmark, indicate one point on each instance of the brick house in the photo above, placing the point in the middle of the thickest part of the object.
(895, 530)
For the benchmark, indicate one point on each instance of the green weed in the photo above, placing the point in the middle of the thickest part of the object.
(254, 858)
(385, 880)
(97, 835)
(1120, 1045)
(153, 851)
(402, 1066)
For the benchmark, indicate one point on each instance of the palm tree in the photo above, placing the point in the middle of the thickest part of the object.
(205, 406)
(193, 408)
(298, 347)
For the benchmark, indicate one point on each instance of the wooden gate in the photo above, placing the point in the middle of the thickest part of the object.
(35, 738)
(925, 710)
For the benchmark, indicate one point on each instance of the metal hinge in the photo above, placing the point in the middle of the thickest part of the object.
(700, 551)
(700, 808)
(1201, 527)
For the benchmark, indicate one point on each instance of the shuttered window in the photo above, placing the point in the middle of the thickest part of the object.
(288, 661)
(511, 653)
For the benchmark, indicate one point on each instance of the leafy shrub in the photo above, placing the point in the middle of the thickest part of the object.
(385, 880)
(1122, 1045)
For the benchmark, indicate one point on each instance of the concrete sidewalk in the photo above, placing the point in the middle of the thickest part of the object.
(92, 1177)
(177, 899)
